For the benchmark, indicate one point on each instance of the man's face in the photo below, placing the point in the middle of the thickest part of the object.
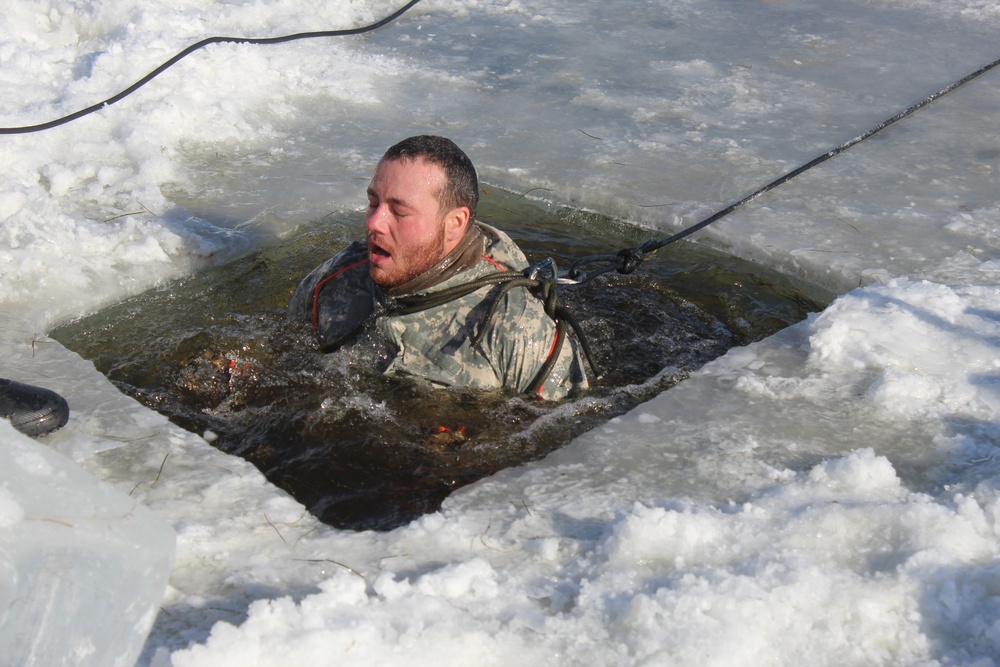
(405, 224)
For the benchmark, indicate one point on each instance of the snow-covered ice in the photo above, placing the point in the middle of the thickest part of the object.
(826, 496)
(83, 565)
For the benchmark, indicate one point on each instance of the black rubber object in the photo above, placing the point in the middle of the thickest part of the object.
(32, 410)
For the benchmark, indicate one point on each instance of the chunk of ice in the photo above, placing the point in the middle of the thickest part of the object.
(83, 567)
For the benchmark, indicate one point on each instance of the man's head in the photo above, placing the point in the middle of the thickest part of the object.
(421, 200)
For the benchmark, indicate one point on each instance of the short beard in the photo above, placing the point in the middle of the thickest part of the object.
(424, 258)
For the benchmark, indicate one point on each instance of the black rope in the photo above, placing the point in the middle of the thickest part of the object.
(203, 43)
(626, 262)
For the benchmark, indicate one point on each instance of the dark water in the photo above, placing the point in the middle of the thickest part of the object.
(214, 353)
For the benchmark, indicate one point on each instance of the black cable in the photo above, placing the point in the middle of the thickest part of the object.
(203, 43)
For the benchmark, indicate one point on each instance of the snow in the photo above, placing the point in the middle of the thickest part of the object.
(83, 565)
(826, 496)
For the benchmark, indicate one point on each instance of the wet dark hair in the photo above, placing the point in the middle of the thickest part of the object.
(461, 183)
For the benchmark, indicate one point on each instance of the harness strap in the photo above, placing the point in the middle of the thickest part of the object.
(407, 305)
(544, 289)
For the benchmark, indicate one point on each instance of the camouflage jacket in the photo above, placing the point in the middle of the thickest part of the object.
(346, 308)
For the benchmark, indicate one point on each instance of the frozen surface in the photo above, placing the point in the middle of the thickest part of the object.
(826, 496)
(83, 566)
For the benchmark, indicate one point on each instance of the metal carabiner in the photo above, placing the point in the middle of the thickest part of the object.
(548, 264)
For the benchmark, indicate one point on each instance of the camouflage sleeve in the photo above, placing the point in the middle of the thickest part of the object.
(522, 336)
(520, 340)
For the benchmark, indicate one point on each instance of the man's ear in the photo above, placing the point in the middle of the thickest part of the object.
(456, 222)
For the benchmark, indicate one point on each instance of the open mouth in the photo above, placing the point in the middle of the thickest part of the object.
(377, 252)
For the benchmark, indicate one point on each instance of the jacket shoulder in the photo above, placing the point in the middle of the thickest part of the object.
(501, 249)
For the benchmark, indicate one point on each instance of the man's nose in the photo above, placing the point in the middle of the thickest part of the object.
(377, 221)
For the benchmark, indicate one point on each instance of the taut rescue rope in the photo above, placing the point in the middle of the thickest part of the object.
(629, 259)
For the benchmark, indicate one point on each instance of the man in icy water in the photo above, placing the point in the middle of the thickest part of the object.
(422, 241)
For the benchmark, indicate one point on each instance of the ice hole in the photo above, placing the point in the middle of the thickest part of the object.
(215, 354)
